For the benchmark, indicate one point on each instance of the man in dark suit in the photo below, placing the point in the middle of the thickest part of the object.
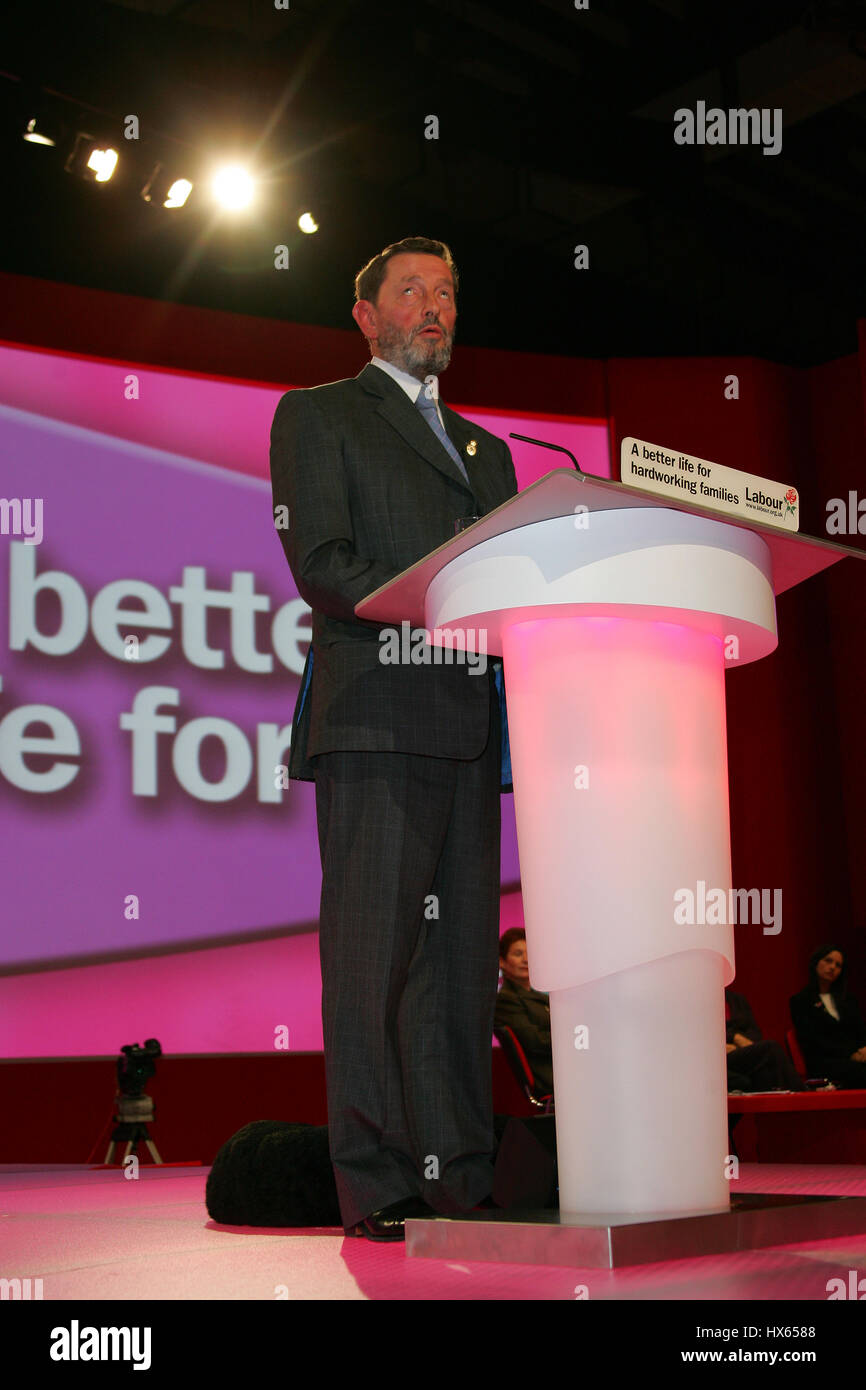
(374, 471)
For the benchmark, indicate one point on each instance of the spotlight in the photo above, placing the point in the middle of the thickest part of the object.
(103, 163)
(308, 223)
(38, 131)
(166, 190)
(178, 193)
(41, 119)
(233, 187)
(91, 159)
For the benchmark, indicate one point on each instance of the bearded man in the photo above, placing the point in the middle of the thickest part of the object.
(406, 758)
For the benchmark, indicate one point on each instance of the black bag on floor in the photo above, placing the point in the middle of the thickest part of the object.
(272, 1173)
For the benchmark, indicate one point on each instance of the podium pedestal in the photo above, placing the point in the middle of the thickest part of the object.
(616, 619)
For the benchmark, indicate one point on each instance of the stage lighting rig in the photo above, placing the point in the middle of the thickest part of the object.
(91, 159)
(41, 131)
(166, 190)
(40, 116)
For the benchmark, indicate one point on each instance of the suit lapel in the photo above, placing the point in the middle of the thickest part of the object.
(396, 407)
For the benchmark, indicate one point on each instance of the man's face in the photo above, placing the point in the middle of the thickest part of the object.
(412, 322)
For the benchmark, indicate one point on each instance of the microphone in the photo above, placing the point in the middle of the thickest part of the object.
(545, 445)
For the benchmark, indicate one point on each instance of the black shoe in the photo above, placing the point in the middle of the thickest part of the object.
(388, 1223)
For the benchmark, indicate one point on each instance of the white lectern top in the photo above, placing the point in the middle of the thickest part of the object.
(563, 492)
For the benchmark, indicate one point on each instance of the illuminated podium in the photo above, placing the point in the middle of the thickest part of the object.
(616, 614)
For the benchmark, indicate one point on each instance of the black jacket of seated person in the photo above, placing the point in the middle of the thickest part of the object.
(527, 1013)
(827, 1043)
(765, 1065)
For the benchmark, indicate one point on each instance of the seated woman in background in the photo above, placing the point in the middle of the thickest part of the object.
(828, 1023)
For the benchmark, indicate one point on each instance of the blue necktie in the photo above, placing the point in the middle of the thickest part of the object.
(427, 406)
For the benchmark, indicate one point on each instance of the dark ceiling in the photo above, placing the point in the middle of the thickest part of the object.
(555, 129)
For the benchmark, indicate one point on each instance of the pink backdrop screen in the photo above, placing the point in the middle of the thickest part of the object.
(152, 643)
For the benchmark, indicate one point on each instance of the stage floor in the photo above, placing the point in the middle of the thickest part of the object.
(95, 1235)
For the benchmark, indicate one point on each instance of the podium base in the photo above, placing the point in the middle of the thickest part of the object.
(609, 1241)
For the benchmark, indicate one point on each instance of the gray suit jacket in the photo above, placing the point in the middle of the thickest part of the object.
(370, 490)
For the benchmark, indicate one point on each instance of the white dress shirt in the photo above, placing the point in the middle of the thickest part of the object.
(411, 385)
(830, 1005)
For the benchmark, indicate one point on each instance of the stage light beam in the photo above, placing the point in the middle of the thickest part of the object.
(103, 162)
(163, 188)
(92, 159)
(178, 193)
(36, 134)
(233, 187)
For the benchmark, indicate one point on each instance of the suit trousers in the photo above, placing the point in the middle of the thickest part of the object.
(409, 946)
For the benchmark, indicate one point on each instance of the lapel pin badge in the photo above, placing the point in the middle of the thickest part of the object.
(471, 448)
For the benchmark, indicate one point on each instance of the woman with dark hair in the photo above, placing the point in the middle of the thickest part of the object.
(828, 1023)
